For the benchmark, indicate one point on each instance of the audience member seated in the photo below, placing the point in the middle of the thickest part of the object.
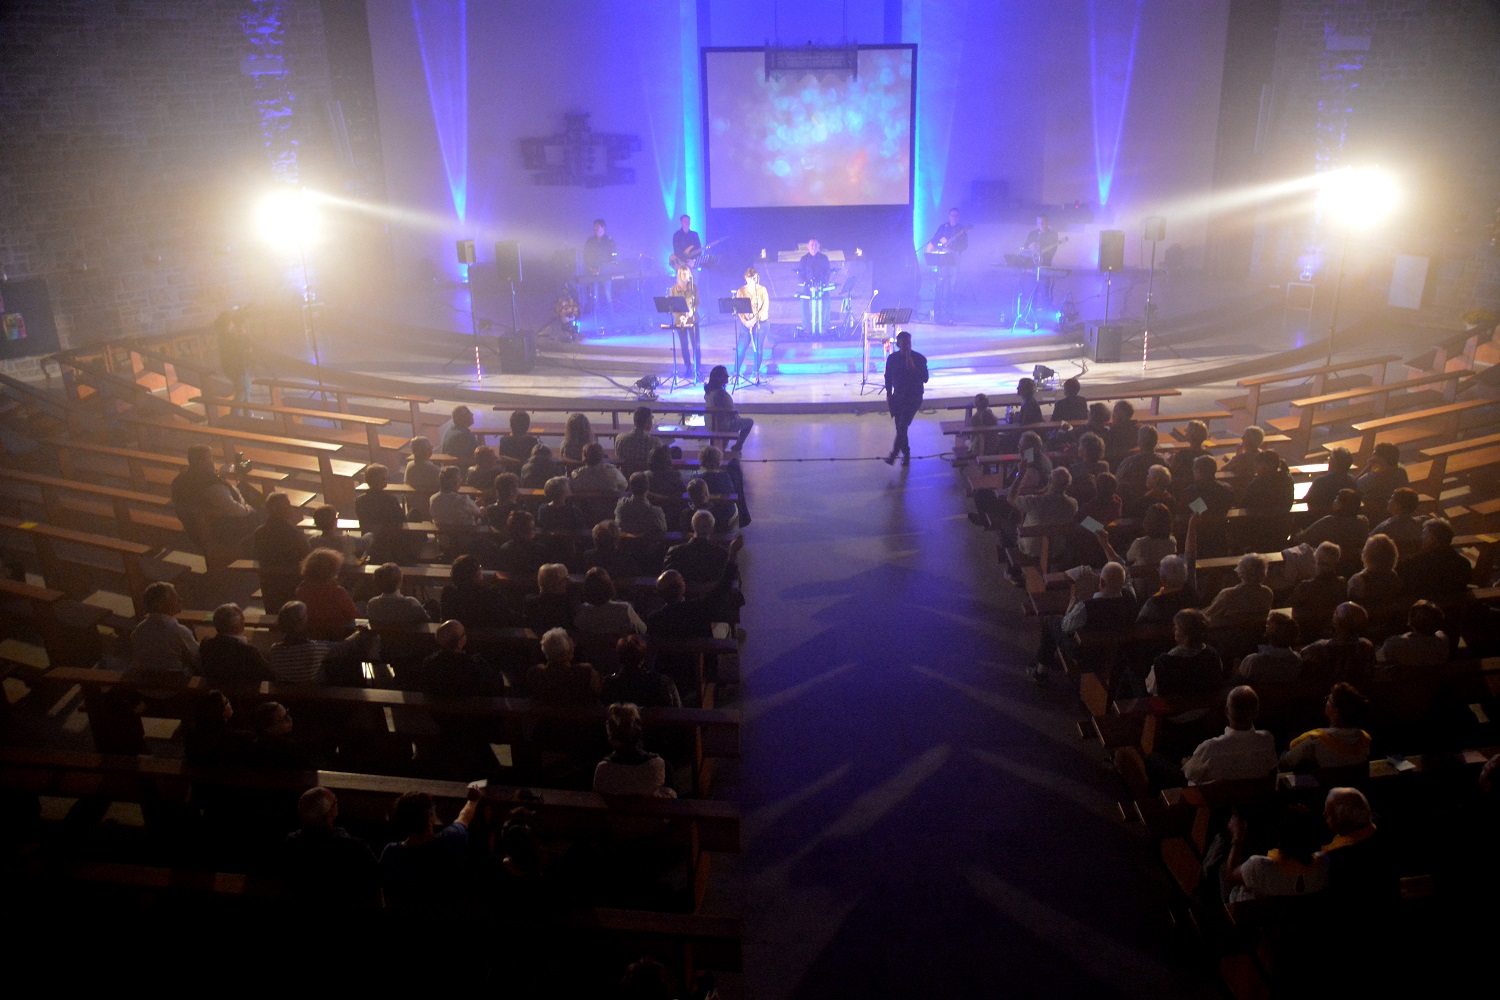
(608, 554)
(1196, 433)
(507, 489)
(162, 649)
(1073, 407)
(1377, 586)
(578, 434)
(389, 607)
(330, 609)
(1218, 500)
(422, 476)
(214, 511)
(698, 559)
(1124, 432)
(1088, 463)
(664, 477)
(1052, 507)
(1294, 868)
(559, 513)
(1176, 594)
(449, 672)
(1244, 462)
(1323, 490)
(726, 515)
(630, 769)
(1347, 655)
(711, 470)
(1108, 607)
(280, 546)
(1131, 472)
(1401, 525)
(559, 680)
(227, 658)
(1268, 500)
(467, 597)
(1274, 661)
(425, 868)
(209, 741)
(551, 607)
(298, 659)
(985, 442)
(275, 744)
(454, 513)
(518, 443)
(596, 475)
(1362, 880)
(636, 514)
(1155, 541)
(600, 613)
(1342, 743)
(1189, 668)
(635, 682)
(633, 448)
(1028, 411)
(1104, 504)
(1437, 572)
(522, 554)
(1345, 526)
(459, 440)
(1242, 752)
(1382, 476)
(1423, 645)
(1314, 601)
(322, 865)
(481, 475)
(1248, 602)
(381, 517)
(539, 468)
(1158, 491)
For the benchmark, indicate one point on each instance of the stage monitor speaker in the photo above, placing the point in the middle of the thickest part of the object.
(466, 252)
(1111, 249)
(1156, 228)
(517, 352)
(1101, 342)
(508, 260)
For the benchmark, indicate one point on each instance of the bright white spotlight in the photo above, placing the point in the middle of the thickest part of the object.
(289, 218)
(1359, 197)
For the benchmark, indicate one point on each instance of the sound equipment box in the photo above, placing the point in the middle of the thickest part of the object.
(508, 260)
(1101, 342)
(517, 352)
(1111, 250)
(1156, 228)
(466, 252)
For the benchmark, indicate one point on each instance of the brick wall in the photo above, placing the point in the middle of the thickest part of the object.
(133, 149)
(1423, 98)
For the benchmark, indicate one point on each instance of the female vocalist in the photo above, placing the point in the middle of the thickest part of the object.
(687, 323)
(750, 333)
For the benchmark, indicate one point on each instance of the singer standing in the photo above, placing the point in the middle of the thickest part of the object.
(905, 375)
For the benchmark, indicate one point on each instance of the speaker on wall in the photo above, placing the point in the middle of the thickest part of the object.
(508, 260)
(1111, 249)
(466, 252)
(1101, 342)
(1156, 228)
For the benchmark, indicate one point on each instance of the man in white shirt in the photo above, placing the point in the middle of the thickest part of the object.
(161, 647)
(1242, 752)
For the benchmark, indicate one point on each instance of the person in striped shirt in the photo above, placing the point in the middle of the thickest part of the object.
(296, 659)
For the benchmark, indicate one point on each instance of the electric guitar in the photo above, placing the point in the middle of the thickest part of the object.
(692, 257)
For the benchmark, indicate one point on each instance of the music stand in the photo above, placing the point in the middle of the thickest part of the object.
(887, 318)
(739, 306)
(674, 306)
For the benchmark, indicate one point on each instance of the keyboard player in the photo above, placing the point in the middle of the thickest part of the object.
(599, 255)
(814, 271)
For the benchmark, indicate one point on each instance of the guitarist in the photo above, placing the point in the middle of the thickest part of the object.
(950, 241)
(686, 244)
(750, 334)
(1042, 243)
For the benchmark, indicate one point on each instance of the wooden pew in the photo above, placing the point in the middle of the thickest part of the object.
(294, 421)
(336, 475)
(145, 469)
(136, 515)
(999, 401)
(410, 403)
(1257, 393)
(76, 577)
(68, 630)
(1404, 428)
(1357, 404)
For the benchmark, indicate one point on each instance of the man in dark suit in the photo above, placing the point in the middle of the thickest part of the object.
(227, 658)
(905, 375)
(698, 559)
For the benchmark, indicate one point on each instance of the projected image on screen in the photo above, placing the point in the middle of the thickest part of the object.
(808, 139)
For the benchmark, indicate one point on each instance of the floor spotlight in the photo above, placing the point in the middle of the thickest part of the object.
(646, 386)
(1041, 373)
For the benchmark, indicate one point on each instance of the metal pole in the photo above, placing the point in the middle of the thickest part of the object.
(1338, 290)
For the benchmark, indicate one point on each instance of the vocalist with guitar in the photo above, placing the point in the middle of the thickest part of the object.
(1042, 243)
(750, 332)
(944, 251)
(687, 324)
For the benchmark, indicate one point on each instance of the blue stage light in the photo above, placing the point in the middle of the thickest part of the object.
(443, 38)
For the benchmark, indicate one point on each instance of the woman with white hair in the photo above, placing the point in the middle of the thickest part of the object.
(1178, 592)
(559, 680)
(1247, 602)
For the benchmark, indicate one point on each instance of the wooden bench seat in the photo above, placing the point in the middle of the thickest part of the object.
(365, 432)
(1360, 404)
(409, 409)
(77, 575)
(1256, 392)
(1404, 428)
(132, 511)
